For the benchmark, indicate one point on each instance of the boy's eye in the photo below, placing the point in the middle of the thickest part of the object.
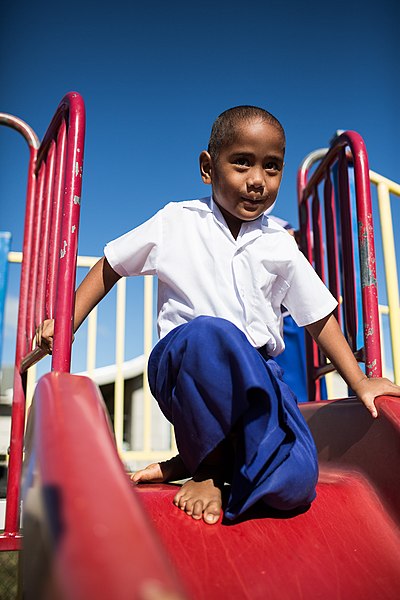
(242, 161)
(271, 166)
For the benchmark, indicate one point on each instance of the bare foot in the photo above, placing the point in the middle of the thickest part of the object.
(200, 498)
(169, 470)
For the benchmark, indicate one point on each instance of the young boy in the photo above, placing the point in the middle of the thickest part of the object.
(224, 270)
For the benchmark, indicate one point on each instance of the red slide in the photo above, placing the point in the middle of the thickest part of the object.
(104, 538)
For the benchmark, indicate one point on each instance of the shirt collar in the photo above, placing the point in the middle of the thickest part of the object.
(249, 231)
(201, 204)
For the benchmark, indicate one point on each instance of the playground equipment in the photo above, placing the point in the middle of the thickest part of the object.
(89, 534)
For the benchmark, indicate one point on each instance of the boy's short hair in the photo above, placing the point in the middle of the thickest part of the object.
(224, 126)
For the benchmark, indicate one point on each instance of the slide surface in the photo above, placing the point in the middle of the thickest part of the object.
(344, 546)
(90, 533)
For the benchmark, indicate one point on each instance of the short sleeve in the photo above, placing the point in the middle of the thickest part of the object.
(135, 252)
(308, 299)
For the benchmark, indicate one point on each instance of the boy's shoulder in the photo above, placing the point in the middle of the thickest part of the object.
(270, 226)
(277, 240)
(274, 224)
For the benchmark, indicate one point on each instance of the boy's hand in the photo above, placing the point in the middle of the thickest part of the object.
(44, 335)
(368, 389)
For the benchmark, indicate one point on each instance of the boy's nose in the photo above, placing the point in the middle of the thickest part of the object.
(256, 179)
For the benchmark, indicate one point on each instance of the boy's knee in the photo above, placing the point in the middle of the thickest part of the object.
(297, 487)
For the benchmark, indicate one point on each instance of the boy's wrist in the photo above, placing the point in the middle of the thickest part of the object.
(358, 383)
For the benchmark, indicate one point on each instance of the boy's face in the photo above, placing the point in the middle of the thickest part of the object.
(247, 174)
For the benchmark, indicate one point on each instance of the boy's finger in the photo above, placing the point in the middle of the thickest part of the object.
(372, 409)
(39, 336)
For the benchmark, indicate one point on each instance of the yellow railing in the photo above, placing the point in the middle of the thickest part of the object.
(385, 187)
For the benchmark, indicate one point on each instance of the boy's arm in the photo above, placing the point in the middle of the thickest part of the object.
(333, 344)
(97, 283)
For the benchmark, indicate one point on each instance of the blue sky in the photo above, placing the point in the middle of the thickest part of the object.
(155, 75)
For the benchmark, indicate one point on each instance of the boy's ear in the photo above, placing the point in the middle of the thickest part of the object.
(205, 167)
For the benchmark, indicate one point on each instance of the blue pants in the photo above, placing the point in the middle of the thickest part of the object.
(209, 382)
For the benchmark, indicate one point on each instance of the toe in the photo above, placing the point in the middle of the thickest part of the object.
(180, 501)
(189, 506)
(197, 511)
(136, 477)
(177, 497)
(212, 513)
(152, 473)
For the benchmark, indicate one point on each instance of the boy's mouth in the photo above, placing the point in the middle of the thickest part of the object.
(254, 200)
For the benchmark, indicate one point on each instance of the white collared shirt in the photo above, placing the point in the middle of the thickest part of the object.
(203, 270)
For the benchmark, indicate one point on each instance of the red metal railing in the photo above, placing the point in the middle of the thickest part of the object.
(348, 149)
(48, 268)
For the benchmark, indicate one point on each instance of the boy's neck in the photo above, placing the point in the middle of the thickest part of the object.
(234, 224)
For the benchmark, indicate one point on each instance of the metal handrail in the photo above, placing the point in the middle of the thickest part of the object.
(308, 192)
(385, 187)
(47, 285)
